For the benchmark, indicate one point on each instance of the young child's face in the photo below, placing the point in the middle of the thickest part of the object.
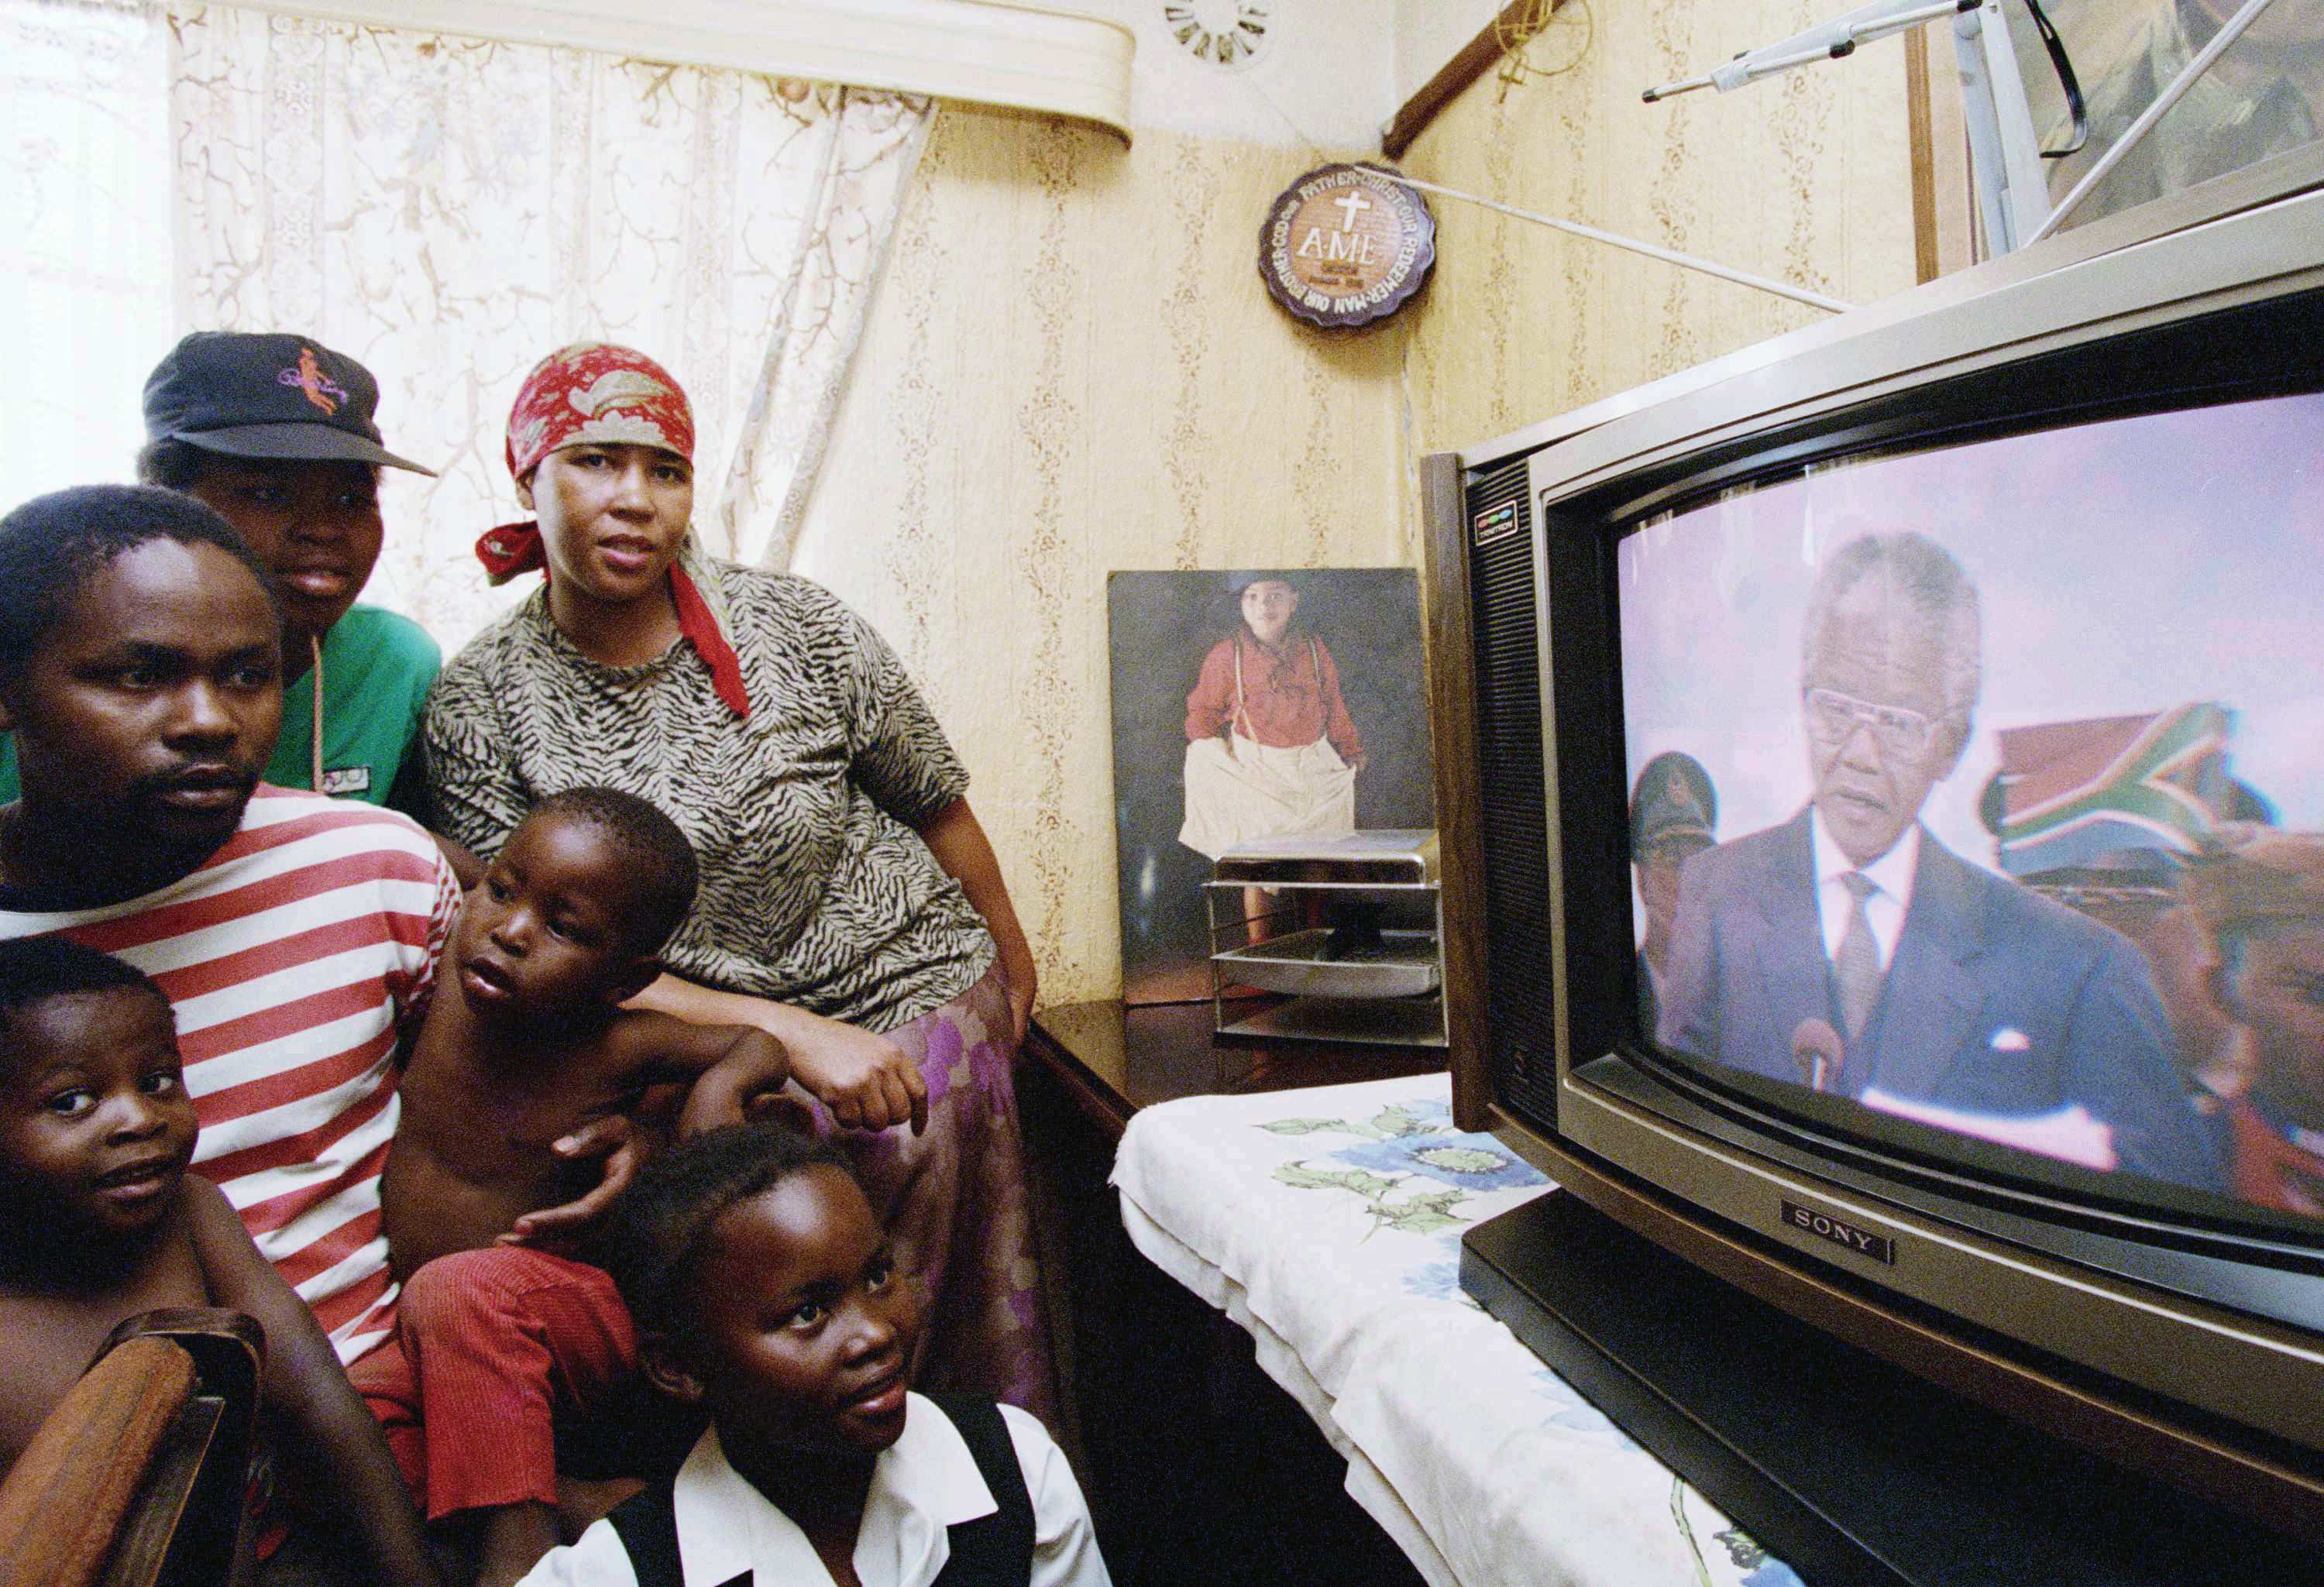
(803, 1329)
(546, 930)
(96, 1128)
(1268, 607)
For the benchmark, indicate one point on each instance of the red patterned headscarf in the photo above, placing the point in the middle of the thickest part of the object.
(596, 393)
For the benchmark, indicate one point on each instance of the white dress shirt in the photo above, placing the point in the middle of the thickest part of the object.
(924, 1482)
(1891, 873)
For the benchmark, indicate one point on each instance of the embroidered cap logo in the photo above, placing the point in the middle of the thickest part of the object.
(308, 377)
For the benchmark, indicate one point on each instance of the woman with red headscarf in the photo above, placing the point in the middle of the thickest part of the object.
(850, 904)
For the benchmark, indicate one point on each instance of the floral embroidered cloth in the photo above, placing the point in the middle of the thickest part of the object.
(1328, 1224)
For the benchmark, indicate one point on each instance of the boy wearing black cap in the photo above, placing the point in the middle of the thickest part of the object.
(1672, 811)
(276, 433)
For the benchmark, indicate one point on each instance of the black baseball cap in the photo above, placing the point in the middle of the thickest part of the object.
(1673, 798)
(265, 394)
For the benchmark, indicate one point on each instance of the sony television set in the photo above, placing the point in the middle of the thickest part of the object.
(1882, 808)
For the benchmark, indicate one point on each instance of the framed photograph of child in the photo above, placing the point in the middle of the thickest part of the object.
(1261, 703)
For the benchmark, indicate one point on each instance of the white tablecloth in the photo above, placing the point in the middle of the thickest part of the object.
(1328, 1224)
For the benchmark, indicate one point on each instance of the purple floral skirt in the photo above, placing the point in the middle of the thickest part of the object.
(954, 1202)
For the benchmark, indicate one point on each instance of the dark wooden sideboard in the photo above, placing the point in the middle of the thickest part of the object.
(1196, 1466)
(1113, 1060)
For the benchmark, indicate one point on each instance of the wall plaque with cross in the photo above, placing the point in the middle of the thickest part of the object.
(1346, 245)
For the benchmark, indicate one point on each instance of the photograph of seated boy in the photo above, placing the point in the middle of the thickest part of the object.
(1270, 748)
(496, 1345)
(103, 1222)
(765, 1296)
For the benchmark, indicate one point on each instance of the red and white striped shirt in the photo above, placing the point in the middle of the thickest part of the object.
(292, 955)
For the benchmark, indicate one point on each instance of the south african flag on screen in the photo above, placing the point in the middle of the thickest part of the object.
(2074, 794)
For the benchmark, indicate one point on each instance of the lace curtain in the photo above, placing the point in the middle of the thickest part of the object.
(447, 210)
(84, 186)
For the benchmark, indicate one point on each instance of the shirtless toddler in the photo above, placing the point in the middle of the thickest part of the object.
(497, 1344)
(99, 1222)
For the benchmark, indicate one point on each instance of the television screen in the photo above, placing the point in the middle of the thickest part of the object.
(1977, 803)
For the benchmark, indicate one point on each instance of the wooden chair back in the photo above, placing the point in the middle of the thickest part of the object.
(137, 1478)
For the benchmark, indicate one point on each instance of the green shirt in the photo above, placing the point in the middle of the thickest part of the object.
(377, 667)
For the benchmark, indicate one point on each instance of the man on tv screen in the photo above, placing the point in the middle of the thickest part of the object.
(1849, 950)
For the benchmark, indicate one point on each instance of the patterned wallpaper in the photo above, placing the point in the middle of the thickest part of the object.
(1802, 176)
(1073, 369)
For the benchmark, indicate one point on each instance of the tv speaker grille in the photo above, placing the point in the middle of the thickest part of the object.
(1503, 593)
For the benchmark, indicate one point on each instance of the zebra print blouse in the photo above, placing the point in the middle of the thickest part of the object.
(815, 889)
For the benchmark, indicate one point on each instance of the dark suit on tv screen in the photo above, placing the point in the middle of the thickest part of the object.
(1996, 999)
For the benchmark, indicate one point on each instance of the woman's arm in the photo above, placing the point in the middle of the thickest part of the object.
(957, 840)
(865, 1080)
(613, 1140)
(324, 1427)
(897, 755)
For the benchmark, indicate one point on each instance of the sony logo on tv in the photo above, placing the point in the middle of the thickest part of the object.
(1841, 1232)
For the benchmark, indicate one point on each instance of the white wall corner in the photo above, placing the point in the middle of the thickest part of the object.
(980, 52)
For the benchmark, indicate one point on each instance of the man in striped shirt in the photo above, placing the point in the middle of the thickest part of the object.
(140, 669)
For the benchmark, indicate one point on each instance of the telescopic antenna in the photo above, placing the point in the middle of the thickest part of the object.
(1834, 41)
(2005, 151)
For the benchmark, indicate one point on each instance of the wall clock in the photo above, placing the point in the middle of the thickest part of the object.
(1225, 34)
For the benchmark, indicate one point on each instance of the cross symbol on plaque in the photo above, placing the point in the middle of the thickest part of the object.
(1354, 203)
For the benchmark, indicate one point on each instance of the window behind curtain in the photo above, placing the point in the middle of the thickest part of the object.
(85, 250)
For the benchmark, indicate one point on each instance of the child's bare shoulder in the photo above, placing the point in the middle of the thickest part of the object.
(49, 1335)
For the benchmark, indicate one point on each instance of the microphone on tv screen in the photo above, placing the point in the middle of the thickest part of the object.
(1816, 1049)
